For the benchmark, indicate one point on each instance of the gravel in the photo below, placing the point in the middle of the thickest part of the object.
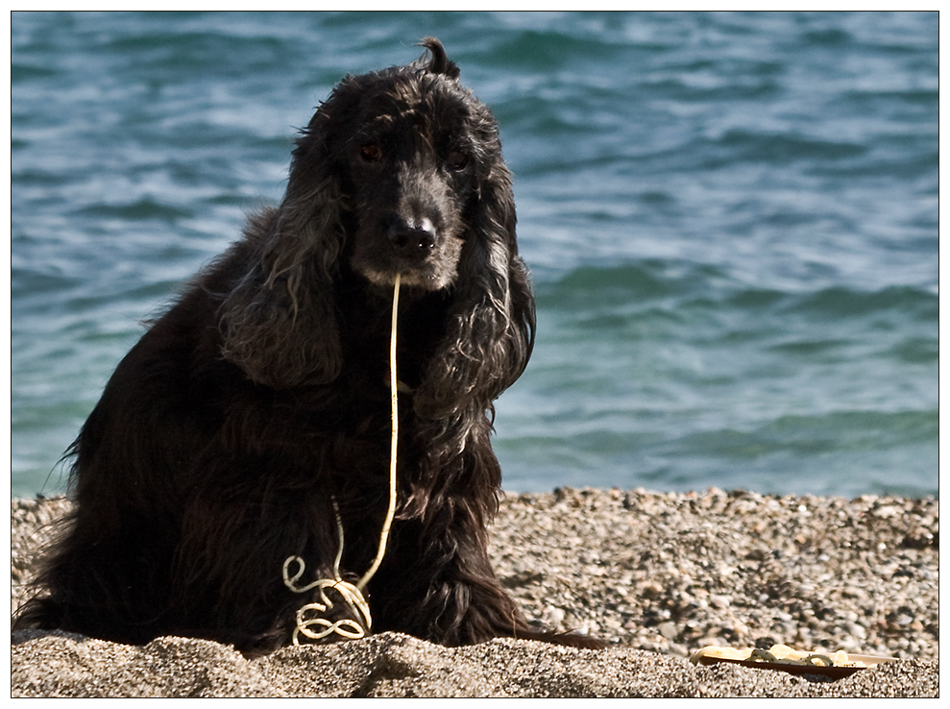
(658, 575)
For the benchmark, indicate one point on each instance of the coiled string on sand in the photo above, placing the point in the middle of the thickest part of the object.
(311, 622)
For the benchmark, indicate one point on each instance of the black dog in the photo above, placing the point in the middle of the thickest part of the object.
(261, 400)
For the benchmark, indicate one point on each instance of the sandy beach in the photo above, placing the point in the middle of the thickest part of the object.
(658, 575)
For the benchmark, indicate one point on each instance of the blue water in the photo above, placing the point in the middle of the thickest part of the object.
(731, 222)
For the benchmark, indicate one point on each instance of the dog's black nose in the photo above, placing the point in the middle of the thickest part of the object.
(412, 242)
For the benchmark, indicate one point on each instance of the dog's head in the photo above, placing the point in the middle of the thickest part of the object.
(411, 147)
(399, 172)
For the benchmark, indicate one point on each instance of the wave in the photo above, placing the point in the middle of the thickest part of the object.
(697, 285)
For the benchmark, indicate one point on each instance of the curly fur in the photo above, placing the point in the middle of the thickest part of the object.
(224, 435)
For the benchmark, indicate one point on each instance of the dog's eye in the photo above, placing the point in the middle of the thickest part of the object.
(371, 152)
(456, 160)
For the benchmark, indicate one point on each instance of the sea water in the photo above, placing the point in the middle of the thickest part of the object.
(731, 221)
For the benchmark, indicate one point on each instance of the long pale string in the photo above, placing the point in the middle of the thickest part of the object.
(394, 396)
(352, 595)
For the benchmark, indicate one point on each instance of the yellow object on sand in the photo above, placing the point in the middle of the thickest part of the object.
(783, 657)
(777, 653)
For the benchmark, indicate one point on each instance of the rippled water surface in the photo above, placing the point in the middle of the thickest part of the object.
(731, 222)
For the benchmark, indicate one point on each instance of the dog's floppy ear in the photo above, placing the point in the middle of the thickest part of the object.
(492, 320)
(279, 322)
